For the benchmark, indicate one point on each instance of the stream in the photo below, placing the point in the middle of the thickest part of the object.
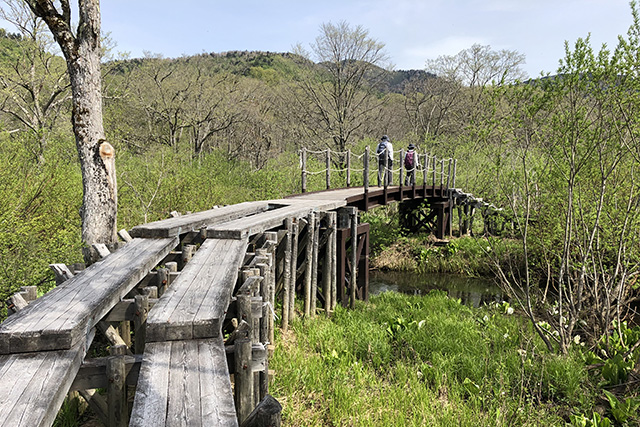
(470, 290)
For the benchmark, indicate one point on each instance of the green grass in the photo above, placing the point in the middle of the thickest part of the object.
(417, 361)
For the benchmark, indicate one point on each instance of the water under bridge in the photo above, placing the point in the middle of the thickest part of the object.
(187, 305)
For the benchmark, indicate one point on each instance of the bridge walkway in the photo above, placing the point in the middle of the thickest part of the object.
(44, 347)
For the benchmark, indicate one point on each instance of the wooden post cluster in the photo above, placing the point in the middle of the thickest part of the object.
(308, 262)
(255, 300)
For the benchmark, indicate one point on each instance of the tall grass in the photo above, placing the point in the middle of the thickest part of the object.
(417, 361)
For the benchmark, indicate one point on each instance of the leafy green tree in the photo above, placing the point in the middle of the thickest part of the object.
(569, 176)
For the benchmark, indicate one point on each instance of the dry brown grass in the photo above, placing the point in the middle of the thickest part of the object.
(397, 257)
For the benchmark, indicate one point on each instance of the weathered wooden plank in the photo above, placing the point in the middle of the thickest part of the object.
(259, 223)
(194, 305)
(215, 386)
(196, 221)
(161, 324)
(150, 403)
(184, 383)
(183, 407)
(63, 317)
(34, 385)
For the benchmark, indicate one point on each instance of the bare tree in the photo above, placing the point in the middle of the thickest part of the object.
(82, 51)
(34, 88)
(337, 107)
(479, 66)
(432, 106)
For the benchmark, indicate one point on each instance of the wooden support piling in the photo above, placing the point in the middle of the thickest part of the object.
(326, 264)
(314, 267)
(311, 228)
(294, 269)
(243, 377)
(286, 289)
(267, 413)
(162, 280)
(272, 239)
(140, 322)
(116, 388)
(187, 254)
(173, 268)
(124, 329)
(354, 253)
(334, 262)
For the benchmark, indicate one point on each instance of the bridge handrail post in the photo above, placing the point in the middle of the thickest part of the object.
(303, 163)
(425, 170)
(328, 161)
(365, 161)
(455, 165)
(441, 174)
(349, 168)
(435, 160)
(449, 173)
(401, 170)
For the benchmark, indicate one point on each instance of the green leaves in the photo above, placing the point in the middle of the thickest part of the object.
(623, 411)
(616, 370)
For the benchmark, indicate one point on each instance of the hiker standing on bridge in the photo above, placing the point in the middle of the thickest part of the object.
(385, 160)
(410, 165)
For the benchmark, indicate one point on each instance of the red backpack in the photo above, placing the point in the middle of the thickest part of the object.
(409, 160)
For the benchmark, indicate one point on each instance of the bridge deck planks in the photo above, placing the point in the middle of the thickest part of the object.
(184, 383)
(195, 221)
(63, 317)
(34, 385)
(243, 227)
(194, 305)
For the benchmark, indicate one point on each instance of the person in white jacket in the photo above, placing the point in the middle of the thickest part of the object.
(385, 147)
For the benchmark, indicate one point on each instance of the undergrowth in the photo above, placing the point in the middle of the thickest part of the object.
(410, 360)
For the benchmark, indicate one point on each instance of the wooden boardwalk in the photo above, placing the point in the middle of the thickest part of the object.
(233, 262)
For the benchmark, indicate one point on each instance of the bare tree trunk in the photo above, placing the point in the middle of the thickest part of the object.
(97, 157)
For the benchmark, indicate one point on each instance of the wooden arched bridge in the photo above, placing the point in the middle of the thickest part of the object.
(187, 306)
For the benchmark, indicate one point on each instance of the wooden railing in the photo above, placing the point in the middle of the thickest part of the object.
(428, 169)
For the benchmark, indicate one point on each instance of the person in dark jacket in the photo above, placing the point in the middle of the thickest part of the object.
(410, 165)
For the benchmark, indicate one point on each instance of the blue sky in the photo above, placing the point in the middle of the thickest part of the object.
(412, 30)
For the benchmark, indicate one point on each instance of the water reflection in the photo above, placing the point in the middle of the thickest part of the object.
(471, 291)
